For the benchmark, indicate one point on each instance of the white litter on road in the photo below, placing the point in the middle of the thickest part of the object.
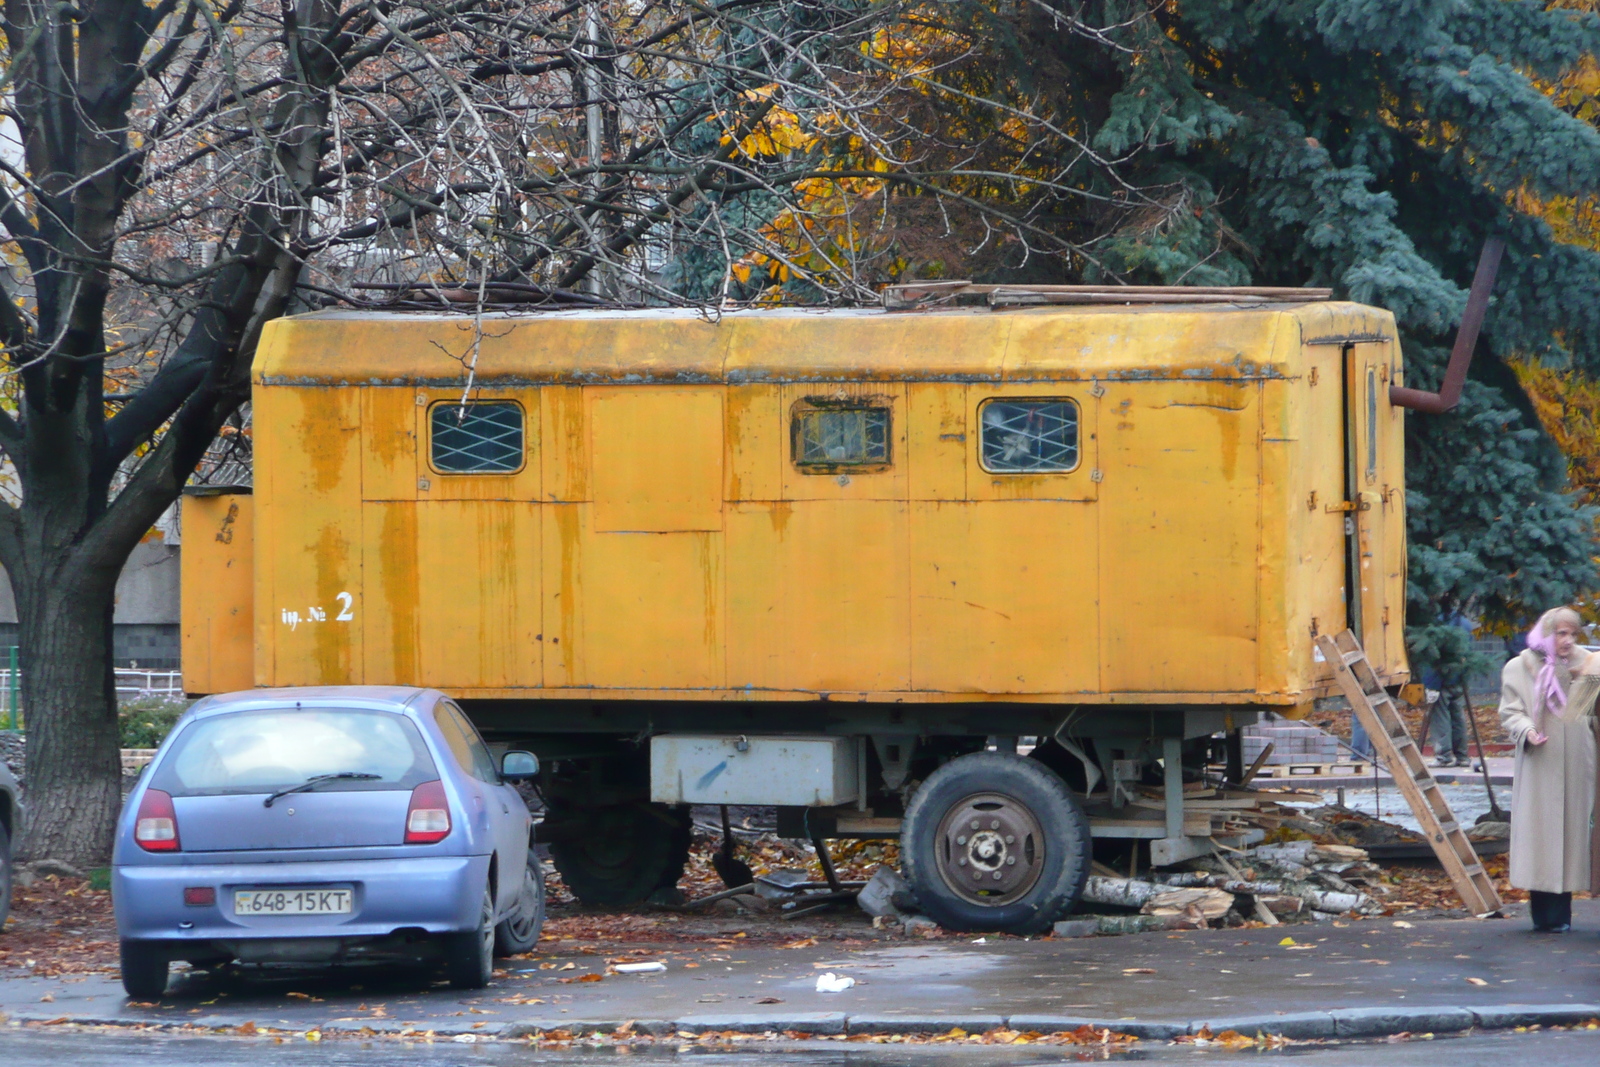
(834, 983)
(640, 968)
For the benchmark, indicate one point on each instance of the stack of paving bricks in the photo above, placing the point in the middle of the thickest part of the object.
(1291, 743)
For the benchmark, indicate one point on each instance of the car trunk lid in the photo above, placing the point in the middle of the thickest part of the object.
(333, 818)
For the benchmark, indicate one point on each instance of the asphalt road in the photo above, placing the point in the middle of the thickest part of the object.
(1172, 978)
(99, 1049)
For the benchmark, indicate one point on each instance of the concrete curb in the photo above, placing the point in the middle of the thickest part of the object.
(1370, 1022)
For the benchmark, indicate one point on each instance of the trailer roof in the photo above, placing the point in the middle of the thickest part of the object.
(1240, 340)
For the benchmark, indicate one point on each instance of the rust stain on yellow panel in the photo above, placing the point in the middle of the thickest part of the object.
(937, 441)
(656, 458)
(217, 593)
(388, 443)
(391, 598)
(563, 545)
(309, 528)
(754, 450)
(566, 456)
(1016, 610)
(826, 607)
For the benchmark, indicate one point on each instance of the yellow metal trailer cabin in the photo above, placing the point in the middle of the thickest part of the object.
(818, 559)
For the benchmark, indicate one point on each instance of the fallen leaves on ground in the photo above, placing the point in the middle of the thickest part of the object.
(1232, 1039)
(60, 926)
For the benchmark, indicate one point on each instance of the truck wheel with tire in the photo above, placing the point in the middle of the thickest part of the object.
(992, 841)
(519, 932)
(469, 955)
(622, 853)
(144, 969)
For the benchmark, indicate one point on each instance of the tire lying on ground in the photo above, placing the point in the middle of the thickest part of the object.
(623, 853)
(993, 841)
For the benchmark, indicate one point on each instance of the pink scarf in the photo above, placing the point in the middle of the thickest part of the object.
(1547, 686)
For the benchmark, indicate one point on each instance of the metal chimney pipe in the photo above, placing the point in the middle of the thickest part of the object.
(1455, 374)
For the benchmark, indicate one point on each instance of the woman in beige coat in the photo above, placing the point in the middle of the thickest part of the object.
(1547, 700)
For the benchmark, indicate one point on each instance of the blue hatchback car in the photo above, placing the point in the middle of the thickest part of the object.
(330, 824)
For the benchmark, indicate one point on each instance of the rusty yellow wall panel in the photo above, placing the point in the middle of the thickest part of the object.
(1179, 536)
(308, 527)
(391, 594)
(217, 591)
(565, 441)
(1004, 597)
(631, 609)
(819, 595)
(1075, 484)
(756, 447)
(478, 605)
(655, 458)
(389, 443)
(937, 440)
(889, 482)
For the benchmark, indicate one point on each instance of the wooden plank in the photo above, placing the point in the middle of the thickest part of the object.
(1384, 726)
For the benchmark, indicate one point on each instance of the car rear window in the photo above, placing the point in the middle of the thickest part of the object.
(264, 751)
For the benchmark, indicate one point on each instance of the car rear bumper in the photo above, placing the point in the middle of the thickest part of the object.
(431, 894)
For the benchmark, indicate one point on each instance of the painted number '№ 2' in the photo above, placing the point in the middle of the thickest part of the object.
(292, 618)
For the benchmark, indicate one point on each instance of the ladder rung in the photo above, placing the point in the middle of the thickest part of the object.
(1449, 827)
(1351, 657)
(1472, 868)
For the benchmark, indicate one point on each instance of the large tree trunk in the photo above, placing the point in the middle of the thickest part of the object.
(74, 769)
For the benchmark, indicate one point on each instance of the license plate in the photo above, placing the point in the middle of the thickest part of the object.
(292, 901)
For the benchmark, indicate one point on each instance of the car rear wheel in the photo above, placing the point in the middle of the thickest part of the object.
(995, 841)
(469, 955)
(519, 931)
(144, 969)
(623, 853)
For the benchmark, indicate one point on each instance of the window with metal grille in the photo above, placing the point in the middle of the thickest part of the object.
(831, 436)
(1029, 436)
(481, 438)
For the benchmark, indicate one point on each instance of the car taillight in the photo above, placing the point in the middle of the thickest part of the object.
(157, 828)
(428, 817)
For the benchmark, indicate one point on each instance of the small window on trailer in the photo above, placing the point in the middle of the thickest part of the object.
(830, 435)
(482, 437)
(1028, 436)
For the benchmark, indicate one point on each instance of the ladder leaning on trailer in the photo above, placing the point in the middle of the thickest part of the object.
(1396, 747)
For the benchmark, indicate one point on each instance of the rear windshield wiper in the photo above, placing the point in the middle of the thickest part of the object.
(315, 780)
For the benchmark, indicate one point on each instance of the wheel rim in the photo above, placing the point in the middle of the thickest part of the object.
(486, 930)
(524, 919)
(991, 849)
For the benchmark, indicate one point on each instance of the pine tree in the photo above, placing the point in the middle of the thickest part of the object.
(1366, 145)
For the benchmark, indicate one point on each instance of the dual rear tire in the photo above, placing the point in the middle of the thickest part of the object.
(992, 841)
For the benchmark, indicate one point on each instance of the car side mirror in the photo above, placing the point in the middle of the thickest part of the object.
(519, 766)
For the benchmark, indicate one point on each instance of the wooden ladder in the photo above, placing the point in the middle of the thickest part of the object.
(1403, 755)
